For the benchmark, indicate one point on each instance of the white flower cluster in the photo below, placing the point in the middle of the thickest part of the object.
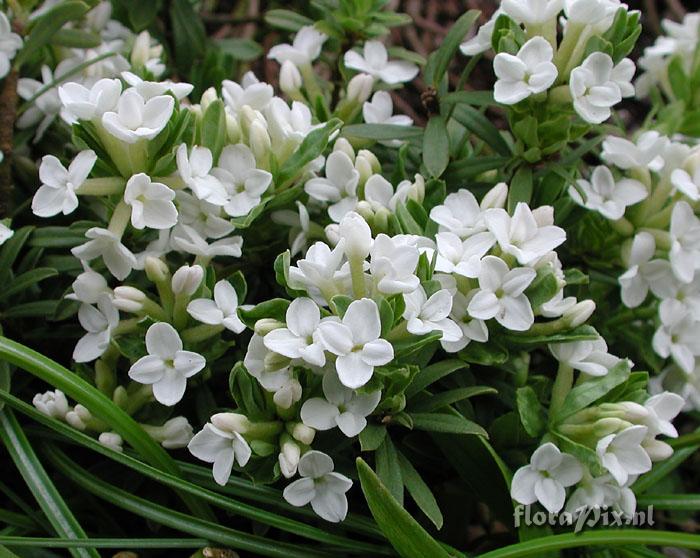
(593, 84)
(652, 204)
(622, 441)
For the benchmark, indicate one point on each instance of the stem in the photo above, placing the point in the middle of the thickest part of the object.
(560, 389)
(8, 113)
(357, 274)
(120, 218)
(180, 314)
(201, 333)
(101, 186)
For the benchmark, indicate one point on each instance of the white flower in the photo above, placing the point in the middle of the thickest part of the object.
(220, 446)
(532, 12)
(250, 92)
(58, 185)
(355, 340)
(689, 185)
(424, 314)
(481, 42)
(678, 334)
(290, 78)
(137, 119)
(87, 103)
(459, 214)
(374, 61)
(546, 478)
(644, 273)
(472, 329)
(111, 440)
(529, 72)
(305, 48)
(380, 110)
(601, 492)
(300, 339)
(623, 455)
(189, 240)
(52, 404)
(117, 257)
(501, 295)
(206, 218)
(300, 224)
(591, 357)
(342, 407)
(528, 235)
(607, 197)
(223, 310)
(462, 256)
(195, 171)
(320, 486)
(597, 84)
(360, 88)
(47, 105)
(647, 151)
(243, 182)
(318, 273)
(591, 12)
(151, 203)
(99, 323)
(339, 187)
(5, 233)
(356, 236)
(685, 242)
(150, 89)
(175, 433)
(393, 265)
(88, 286)
(288, 126)
(281, 382)
(10, 43)
(167, 366)
(663, 408)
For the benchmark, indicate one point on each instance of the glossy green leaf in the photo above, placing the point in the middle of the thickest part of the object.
(436, 146)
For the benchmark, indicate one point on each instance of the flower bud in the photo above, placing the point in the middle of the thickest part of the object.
(360, 88)
(289, 457)
(156, 269)
(175, 433)
(288, 394)
(633, 412)
(111, 440)
(332, 233)
(579, 313)
(290, 77)
(364, 168)
(120, 397)
(78, 417)
(186, 280)
(208, 97)
(233, 128)
(342, 144)
(52, 403)
(357, 235)
(105, 378)
(364, 208)
(231, 422)
(128, 299)
(302, 433)
(88, 286)
(544, 215)
(657, 450)
(266, 325)
(495, 197)
(371, 158)
(417, 191)
(610, 425)
(259, 140)
(141, 51)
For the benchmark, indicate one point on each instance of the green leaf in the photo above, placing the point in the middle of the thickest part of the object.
(388, 470)
(275, 308)
(405, 534)
(76, 38)
(420, 491)
(214, 134)
(448, 423)
(382, 132)
(287, 19)
(590, 391)
(532, 415)
(433, 402)
(520, 189)
(240, 49)
(313, 145)
(44, 28)
(543, 288)
(473, 98)
(436, 146)
(372, 437)
(97, 403)
(482, 127)
(10, 250)
(39, 482)
(580, 333)
(472, 166)
(680, 84)
(432, 374)
(439, 60)
(23, 282)
(189, 35)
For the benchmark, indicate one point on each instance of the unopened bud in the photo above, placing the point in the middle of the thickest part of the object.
(156, 269)
(360, 88)
(52, 403)
(231, 422)
(259, 139)
(657, 450)
(302, 433)
(342, 144)
(495, 197)
(105, 378)
(332, 233)
(120, 397)
(233, 128)
(208, 97)
(579, 313)
(290, 77)
(128, 299)
(266, 325)
(610, 425)
(78, 417)
(141, 51)
(111, 440)
(186, 280)
(357, 235)
(289, 457)
(371, 158)
(175, 433)
(288, 394)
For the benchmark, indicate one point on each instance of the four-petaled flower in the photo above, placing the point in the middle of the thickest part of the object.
(374, 61)
(58, 185)
(529, 72)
